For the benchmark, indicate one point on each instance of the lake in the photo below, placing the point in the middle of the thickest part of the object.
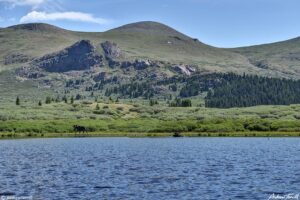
(150, 168)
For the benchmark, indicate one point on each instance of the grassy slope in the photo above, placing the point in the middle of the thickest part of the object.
(139, 117)
(136, 41)
(151, 39)
(155, 41)
(283, 57)
(141, 40)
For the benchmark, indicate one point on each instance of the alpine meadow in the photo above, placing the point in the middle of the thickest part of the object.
(149, 100)
(144, 79)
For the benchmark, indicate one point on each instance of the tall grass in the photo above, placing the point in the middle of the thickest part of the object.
(148, 125)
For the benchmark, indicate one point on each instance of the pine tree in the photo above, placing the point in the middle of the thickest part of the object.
(65, 99)
(18, 101)
(97, 107)
(153, 102)
(40, 103)
(48, 100)
(57, 99)
(72, 99)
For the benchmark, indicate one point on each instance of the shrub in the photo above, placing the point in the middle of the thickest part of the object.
(120, 108)
(99, 112)
(48, 100)
(18, 101)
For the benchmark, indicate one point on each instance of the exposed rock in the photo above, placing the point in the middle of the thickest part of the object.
(113, 63)
(191, 69)
(263, 64)
(157, 75)
(111, 50)
(79, 56)
(100, 76)
(16, 58)
(184, 69)
(139, 64)
(126, 64)
(143, 64)
(112, 53)
(78, 73)
(29, 72)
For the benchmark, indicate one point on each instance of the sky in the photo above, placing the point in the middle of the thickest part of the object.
(221, 23)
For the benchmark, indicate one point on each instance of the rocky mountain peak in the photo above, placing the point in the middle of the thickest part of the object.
(79, 56)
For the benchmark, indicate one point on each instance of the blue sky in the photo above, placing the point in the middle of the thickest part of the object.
(222, 23)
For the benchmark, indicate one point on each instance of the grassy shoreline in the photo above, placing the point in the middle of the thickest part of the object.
(150, 128)
(145, 135)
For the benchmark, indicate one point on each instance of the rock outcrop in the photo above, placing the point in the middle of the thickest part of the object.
(112, 53)
(111, 50)
(184, 69)
(126, 64)
(139, 64)
(100, 76)
(263, 64)
(142, 64)
(16, 58)
(79, 56)
(30, 72)
(113, 63)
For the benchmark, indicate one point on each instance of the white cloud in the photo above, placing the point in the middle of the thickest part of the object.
(35, 16)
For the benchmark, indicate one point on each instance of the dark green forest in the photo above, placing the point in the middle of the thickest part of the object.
(245, 91)
(223, 90)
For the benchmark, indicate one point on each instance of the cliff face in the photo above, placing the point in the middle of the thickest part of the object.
(111, 50)
(79, 56)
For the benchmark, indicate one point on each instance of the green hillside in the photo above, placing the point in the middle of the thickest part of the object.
(281, 57)
(173, 53)
(145, 74)
(140, 40)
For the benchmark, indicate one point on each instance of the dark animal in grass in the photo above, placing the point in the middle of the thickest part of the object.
(177, 134)
(79, 129)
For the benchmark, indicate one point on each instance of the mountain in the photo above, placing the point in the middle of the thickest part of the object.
(38, 27)
(142, 59)
(149, 40)
(149, 27)
(280, 57)
(154, 41)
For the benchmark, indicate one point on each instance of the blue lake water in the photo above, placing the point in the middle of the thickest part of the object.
(146, 168)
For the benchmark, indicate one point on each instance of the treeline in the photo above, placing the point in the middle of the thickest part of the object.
(199, 83)
(245, 91)
(223, 90)
(58, 99)
(133, 90)
(181, 103)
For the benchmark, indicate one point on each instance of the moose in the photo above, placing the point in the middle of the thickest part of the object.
(79, 129)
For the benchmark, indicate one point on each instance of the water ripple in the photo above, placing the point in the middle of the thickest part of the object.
(144, 168)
